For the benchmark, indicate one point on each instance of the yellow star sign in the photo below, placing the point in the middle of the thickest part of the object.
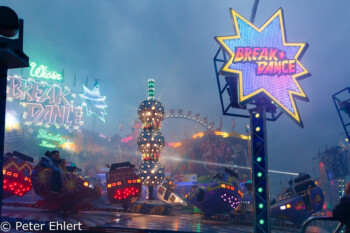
(265, 63)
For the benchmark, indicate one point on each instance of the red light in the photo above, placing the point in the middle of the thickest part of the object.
(119, 183)
(15, 175)
(9, 173)
(134, 181)
(129, 181)
(16, 187)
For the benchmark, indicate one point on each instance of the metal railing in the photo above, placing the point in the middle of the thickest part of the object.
(321, 218)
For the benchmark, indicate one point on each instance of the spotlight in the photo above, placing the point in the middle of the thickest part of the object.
(9, 23)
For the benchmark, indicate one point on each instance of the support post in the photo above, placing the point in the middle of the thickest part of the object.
(3, 86)
(259, 160)
(150, 193)
(11, 57)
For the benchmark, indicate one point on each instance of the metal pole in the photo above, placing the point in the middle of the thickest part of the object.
(261, 195)
(3, 87)
(254, 9)
(341, 183)
(261, 200)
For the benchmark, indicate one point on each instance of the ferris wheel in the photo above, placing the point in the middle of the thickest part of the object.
(195, 118)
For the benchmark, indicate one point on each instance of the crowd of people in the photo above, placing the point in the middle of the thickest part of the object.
(55, 157)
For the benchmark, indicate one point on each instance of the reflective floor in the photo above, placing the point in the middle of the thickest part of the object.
(112, 221)
(186, 223)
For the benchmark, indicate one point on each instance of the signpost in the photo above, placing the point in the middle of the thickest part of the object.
(260, 72)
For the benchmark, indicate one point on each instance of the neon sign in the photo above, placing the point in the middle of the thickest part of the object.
(264, 62)
(127, 139)
(45, 143)
(47, 104)
(41, 71)
(50, 140)
(94, 102)
(269, 61)
(45, 135)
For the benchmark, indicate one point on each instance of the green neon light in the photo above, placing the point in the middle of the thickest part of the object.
(47, 136)
(45, 143)
(259, 174)
(150, 88)
(258, 159)
(261, 221)
(41, 71)
(261, 205)
(260, 190)
(198, 227)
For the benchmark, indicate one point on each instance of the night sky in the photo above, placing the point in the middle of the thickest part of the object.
(125, 42)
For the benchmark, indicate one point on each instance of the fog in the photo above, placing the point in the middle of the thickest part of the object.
(123, 43)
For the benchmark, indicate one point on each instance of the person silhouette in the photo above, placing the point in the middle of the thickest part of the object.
(342, 210)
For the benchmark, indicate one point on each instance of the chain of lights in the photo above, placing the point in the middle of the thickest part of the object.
(341, 189)
(151, 141)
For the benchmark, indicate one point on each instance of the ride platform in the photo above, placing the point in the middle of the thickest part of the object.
(153, 207)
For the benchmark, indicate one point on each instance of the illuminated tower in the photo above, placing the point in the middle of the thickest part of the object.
(151, 141)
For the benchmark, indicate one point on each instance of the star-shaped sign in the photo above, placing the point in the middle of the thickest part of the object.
(94, 102)
(264, 62)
